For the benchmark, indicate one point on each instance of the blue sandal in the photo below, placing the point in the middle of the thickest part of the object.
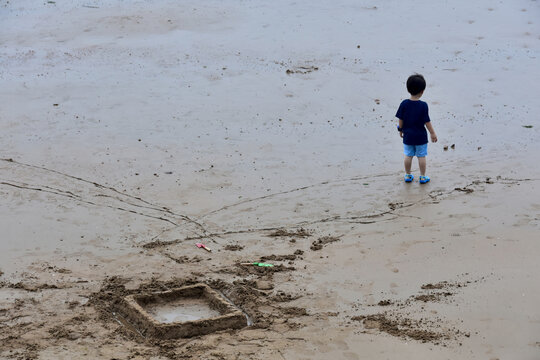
(424, 179)
(409, 177)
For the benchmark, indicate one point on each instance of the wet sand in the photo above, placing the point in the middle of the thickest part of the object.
(266, 131)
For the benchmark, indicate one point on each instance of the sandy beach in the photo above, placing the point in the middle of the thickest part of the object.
(130, 131)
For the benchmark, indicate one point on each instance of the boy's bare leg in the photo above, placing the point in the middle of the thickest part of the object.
(408, 163)
(422, 165)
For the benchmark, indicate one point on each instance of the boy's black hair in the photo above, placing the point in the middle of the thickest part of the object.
(416, 84)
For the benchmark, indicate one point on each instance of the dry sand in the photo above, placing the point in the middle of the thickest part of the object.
(132, 130)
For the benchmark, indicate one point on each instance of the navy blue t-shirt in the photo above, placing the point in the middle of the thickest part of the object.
(414, 114)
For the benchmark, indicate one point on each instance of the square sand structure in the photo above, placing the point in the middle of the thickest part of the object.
(183, 312)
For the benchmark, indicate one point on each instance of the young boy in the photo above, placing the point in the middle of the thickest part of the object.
(413, 120)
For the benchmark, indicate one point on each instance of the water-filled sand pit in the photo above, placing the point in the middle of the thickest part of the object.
(184, 312)
(188, 309)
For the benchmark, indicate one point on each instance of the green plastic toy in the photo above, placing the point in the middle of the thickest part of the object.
(259, 264)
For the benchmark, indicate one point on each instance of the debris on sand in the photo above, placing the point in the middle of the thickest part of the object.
(402, 328)
(301, 70)
(31, 288)
(233, 247)
(394, 206)
(60, 332)
(295, 311)
(320, 242)
(245, 270)
(432, 297)
(284, 297)
(285, 233)
(154, 244)
(448, 285)
(290, 257)
(437, 286)
(404, 319)
(184, 259)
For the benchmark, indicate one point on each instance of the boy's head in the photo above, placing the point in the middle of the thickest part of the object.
(416, 84)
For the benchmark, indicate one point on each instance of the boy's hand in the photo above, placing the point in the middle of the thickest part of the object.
(431, 131)
(401, 134)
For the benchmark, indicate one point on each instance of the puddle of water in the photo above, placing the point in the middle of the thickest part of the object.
(186, 309)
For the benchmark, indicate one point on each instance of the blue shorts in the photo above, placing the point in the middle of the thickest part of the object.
(415, 150)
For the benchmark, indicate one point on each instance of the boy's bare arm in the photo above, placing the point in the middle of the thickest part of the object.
(431, 132)
(401, 127)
